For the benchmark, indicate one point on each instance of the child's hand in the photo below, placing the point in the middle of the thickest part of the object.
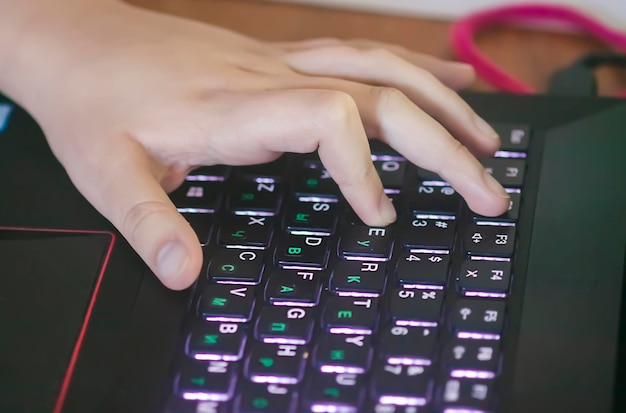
(131, 101)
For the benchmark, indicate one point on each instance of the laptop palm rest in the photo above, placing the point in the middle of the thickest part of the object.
(568, 336)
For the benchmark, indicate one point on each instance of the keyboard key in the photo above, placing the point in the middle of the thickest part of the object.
(490, 240)
(246, 231)
(350, 315)
(266, 172)
(302, 251)
(296, 288)
(227, 303)
(328, 392)
(311, 218)
(436, 201)
(210, 173)
(484, 278)
(197, 197)
(419, 308)
(315, 181)
(285, 325)
(217, 341)
(214, 381)
(508, 171)
(202, 224)
(423, 270)
(276, 363)
(512, 215)
(402, 385)
(474, 359)
(338, 353)
(430, 233)
(358, 278)
(255, 198)
(513, 138)
(466, 395)
(230, 266)
(478, 319)
(266, 398)
(176, 404)
(408, 345)
(391, 173)
(359, 242)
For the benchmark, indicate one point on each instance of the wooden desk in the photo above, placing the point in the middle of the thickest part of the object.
(530, 55)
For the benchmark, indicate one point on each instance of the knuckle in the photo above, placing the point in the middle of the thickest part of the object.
(340, 109)
(457, 153)
(385, 96)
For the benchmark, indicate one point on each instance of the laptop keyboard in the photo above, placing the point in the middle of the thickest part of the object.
(303, 308)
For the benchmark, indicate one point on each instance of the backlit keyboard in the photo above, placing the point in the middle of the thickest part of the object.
(303, 308)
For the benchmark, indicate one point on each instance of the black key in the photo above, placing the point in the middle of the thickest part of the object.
(255, 198)
(302, 251)
(202, 224)
(359, 242)
(227, 303)
(430, 233)
(490, 240)
(175, 404)
(276, 363)
(351, 217)
(428, 176)
(381, 150)
(466, 395)
(434, 201)
(475, 359)
(512, 215)
(513, 138)
(403, 385)
(350, 315)
(484, 278)
(230, 266)
(508, 171)
(478, 319)
(328, 392)
(391, 172)
(285, 325)
(246, 231)
(423, 270)
(315, 181)
(266, 172)
(338, 353)
(198, 197)
(358, 278)
(408, 345)
(265, 398)
(311, 218)
(216, 341)
(210, 173)
(214, 381)
(296, 288)
(418, 308)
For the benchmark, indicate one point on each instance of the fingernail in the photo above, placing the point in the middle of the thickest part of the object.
(171, 260)
(387, 210)
(494, 186)
(485, 128)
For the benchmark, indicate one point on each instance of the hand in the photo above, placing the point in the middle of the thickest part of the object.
(132, 100)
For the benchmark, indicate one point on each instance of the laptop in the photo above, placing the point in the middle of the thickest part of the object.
(301, 308)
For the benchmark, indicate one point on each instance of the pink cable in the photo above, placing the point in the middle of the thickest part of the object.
(463, 30)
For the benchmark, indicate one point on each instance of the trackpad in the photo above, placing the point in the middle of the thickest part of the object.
(46, 284)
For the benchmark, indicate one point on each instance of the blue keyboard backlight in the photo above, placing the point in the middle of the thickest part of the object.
(5, 111)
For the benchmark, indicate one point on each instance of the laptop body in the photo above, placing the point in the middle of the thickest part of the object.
(85, 326)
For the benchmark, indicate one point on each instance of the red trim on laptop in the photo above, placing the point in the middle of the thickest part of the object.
(92, 301)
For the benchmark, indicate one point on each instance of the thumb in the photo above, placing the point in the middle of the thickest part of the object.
(119, 183)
